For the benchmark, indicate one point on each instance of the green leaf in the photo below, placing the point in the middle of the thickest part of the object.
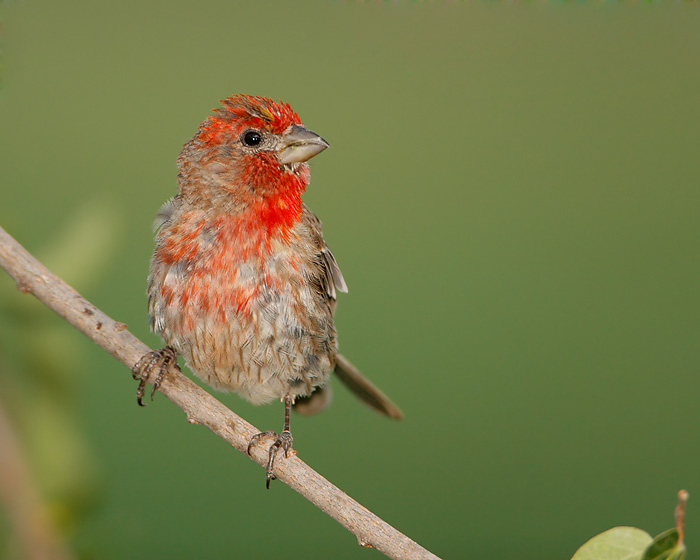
(618, 543)
(665, 547)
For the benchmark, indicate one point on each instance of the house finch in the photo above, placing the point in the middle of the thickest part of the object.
(242, 284)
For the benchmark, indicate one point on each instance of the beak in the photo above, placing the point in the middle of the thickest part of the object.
(300, 145)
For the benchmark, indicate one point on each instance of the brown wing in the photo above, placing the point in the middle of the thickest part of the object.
(330, 281)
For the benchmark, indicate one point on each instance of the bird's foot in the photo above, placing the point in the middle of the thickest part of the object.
(158, 361)
(283, 440)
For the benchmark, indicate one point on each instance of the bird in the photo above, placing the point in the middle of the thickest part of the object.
(242, 284)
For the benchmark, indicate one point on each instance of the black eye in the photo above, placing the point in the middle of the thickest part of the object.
(252, 138)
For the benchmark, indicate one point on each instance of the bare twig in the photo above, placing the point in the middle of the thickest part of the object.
(680, 515)
(201, 408)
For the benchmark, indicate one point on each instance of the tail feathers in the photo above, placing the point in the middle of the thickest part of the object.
(313, 403)
(364, 389)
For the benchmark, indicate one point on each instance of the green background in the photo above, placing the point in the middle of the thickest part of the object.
(512, 194)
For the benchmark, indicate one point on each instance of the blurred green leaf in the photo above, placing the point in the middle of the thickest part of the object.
(665, 547)
(82, 249)
(618, 543)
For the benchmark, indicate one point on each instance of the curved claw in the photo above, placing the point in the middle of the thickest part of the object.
(257, 437)
(283, 440)
(159, 360)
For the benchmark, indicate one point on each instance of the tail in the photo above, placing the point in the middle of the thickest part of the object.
(363, 388)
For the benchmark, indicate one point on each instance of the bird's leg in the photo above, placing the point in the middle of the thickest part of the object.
(158, 360)
(283, 440)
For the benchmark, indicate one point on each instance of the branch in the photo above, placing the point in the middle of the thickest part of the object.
(201, 408)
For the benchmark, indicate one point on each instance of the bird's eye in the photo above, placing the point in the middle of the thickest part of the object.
(252, 138)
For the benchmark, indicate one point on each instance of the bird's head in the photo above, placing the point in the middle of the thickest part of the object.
(253, 149)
